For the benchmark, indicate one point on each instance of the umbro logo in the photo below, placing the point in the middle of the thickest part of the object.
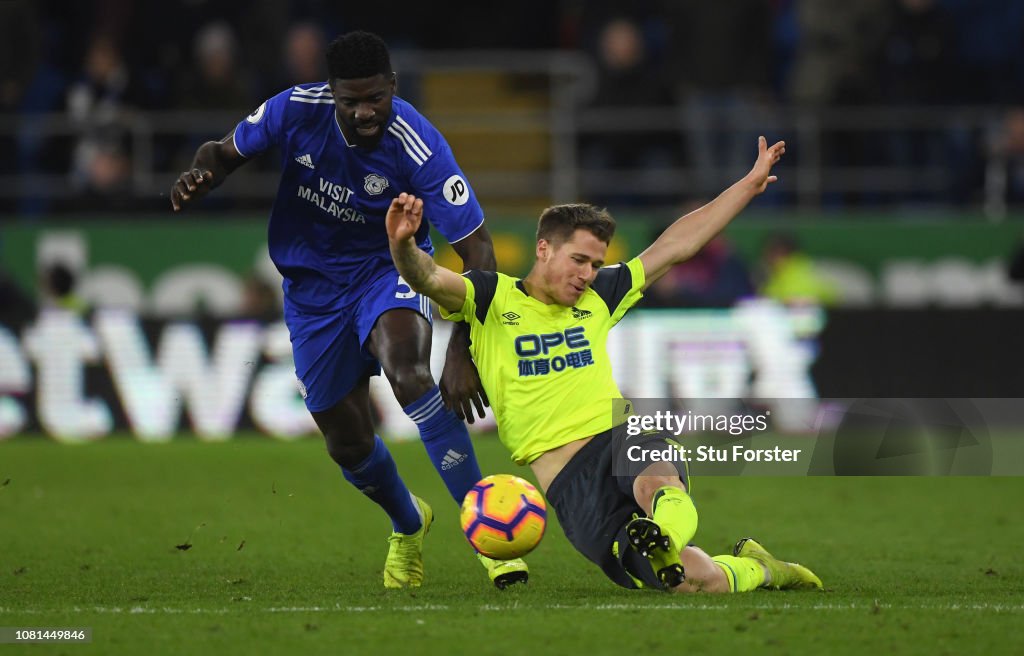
(305, 160)
(511, 319)
(580, 314)
(451, 459)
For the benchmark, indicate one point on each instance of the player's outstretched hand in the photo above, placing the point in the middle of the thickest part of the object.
(760, 176)
(404, 217)
(461, 388)
(191, 185)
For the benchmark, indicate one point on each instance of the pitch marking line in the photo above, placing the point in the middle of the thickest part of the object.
(420, 608)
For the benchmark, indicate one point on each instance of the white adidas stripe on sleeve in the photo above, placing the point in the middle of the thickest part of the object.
(408, 129)
(405, 144)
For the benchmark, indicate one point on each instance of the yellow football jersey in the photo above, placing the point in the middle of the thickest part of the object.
(545, 367)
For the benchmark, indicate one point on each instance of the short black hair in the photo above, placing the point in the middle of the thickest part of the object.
(61, 279)
(558, 223)
(357, 55)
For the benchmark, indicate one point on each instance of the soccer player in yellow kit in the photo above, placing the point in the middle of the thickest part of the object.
(540, 346)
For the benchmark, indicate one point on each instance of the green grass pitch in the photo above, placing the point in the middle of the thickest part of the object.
(284, 557)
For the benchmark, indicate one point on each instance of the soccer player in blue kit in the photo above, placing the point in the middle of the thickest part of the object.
(348, 147)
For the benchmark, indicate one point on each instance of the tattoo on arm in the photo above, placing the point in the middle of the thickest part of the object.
(418, 268)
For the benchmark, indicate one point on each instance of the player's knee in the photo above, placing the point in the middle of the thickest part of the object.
(348, 449)
(410, 383)
(650, 481)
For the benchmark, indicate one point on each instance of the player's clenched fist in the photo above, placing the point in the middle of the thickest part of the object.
(190, 185)
(404, 217)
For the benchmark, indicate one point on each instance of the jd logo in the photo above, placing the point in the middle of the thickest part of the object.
(456, 191)
(257, 114)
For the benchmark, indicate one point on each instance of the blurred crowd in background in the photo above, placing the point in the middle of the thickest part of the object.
(708, 61)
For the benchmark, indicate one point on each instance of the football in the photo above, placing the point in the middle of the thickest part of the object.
(504, 516)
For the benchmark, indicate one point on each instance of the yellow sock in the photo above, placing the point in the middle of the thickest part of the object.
(745, 574)
(674, 512)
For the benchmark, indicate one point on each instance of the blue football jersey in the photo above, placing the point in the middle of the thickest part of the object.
(326, 232)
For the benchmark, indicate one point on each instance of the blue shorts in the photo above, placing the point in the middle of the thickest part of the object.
(329, 349)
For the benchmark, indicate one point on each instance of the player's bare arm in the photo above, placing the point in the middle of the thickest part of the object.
(477, 250)
(461, 388)
(214, 161)
(684, 238)
(418, 269)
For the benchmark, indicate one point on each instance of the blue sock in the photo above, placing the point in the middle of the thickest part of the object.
(377, 477)
(447, 442)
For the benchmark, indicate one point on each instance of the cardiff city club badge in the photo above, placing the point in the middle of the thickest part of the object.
(375, 184)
